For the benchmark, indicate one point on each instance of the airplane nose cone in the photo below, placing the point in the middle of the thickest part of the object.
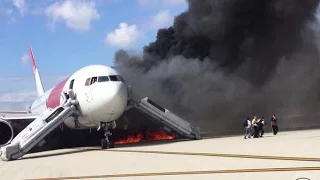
(120, 96)
(117, 102)
(110, 101)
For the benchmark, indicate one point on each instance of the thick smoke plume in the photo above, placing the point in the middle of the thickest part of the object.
(224, 60)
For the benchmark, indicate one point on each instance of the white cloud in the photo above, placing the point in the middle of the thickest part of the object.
(123, 37)
(14, 106)
(7, 14)
(16, 100)
(20, 5)
(25, 59)
(17, 96)
(166, 10)
(161, 20)
(22, 81)
(77, 14)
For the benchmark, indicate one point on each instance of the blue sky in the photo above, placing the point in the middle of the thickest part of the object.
(68, 34)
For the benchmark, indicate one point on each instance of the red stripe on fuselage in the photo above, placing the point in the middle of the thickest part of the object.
(54, 97)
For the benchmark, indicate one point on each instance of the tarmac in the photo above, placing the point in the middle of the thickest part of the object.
(289, 155)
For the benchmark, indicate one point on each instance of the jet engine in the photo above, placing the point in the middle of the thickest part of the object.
(6, 132)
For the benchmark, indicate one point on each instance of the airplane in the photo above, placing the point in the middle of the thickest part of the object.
(100, 97)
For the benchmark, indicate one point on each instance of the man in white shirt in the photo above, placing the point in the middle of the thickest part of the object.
(247, 127)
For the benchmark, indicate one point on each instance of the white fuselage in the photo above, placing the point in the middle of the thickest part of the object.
(100, 90)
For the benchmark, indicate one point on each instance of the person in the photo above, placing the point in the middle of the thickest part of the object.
(261, 123)
(274, 124)
(255, 127)
(247, 127)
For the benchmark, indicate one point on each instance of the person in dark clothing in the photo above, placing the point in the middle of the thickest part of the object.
(274, 125)
(261, 123)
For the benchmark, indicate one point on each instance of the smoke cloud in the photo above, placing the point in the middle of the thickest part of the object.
(225, 60)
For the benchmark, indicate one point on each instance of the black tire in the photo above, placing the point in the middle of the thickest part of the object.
(104, 144)
(111, 144)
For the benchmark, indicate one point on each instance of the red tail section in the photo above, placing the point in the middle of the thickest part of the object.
(36, 73)
(33, 61)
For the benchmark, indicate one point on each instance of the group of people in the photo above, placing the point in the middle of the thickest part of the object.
(254, 127)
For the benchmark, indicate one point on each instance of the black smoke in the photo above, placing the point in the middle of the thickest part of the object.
(224, 60)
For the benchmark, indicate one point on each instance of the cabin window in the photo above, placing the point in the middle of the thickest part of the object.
(93, 80)
(87, 82)
(103, 78)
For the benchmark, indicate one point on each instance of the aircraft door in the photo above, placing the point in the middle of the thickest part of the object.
(71, 84)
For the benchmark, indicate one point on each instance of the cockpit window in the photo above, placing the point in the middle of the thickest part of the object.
(87, 82)
(120, 78)
(116, 78)
(93, 80)
(103, 78)
(113, 78)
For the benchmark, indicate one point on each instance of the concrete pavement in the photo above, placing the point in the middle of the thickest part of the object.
(288, 155)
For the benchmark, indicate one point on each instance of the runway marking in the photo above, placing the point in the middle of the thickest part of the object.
(188, 173)
(220, 155)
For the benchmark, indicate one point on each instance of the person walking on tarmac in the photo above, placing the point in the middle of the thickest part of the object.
(255, 127)
(247, 127)
(261, 123)
(274, 124)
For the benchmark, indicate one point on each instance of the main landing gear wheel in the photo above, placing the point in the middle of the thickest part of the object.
(107, 142)
(106, 145)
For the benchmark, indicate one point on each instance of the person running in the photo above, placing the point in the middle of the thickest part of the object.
(255, 127)
(274, 125)
(247, 127)
(261, 123)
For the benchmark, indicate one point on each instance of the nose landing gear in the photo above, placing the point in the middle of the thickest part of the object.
(107, 142)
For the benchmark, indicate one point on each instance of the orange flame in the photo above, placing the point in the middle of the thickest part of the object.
(130, 139)
(159, 135)
(139, 137)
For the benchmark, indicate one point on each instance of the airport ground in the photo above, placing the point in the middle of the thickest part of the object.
(289, 155)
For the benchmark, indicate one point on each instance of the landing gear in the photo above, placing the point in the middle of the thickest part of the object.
(107, 142)
(76, 122)
(106, 145)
